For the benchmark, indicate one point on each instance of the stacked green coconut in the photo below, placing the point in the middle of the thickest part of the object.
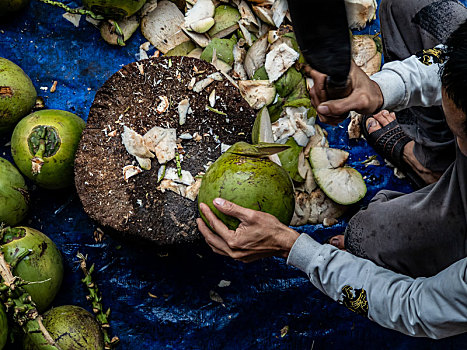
(43, 144)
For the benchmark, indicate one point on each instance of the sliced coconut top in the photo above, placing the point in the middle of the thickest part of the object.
(162, 27)
(328, 158)
(258, 93)
(343, 185)
(256, 56)
(225, 18)
(279, 10)
(200, 17)
(279, 60)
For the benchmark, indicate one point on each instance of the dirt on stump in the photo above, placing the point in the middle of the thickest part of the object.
(130, 98)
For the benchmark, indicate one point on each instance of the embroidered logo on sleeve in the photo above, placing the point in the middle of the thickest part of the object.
(355, 300)
(430, 56)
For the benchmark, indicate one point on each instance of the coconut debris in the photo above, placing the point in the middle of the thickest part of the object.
(163, 105)
(183, 107)
(279, 60)
(130, 171)
(162, 142)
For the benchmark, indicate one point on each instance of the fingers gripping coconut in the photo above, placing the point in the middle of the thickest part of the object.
(258, 236)
(14, 198)
(43, 146)
(245, 175)
(17, 94)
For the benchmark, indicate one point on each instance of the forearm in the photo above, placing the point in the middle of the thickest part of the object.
(412, 82)
(435, 307)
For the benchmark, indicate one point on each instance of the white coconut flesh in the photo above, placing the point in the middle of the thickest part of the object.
(327, 158)
(343, 185)
(359, 12)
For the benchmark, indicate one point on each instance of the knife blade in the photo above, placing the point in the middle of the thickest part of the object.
(322, 33)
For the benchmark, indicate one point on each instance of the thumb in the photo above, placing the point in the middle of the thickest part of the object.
(232, 209)
(335, 107)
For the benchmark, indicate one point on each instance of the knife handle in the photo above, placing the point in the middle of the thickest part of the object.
(336, 90)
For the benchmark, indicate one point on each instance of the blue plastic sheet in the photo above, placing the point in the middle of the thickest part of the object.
(160, 299)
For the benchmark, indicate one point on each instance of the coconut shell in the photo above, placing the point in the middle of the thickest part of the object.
(136, 208)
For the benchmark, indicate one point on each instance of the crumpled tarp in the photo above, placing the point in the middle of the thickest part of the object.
(161, 299)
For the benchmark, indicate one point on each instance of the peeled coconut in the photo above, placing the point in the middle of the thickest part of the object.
(43, 264)
(200, 17)
(114, 9)
(184, 49)
(17, 94)
(14, 198)
(71, 327)
(127, 25)
(244, 175)
(43, 146)
(289, 159)
(359, 12)
(256, 56)
(162, 27)
(225, 18)
(223, 49)
(366, 53)
(344, 185)
(258, 93)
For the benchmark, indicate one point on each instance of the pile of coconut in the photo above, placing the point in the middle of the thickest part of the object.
(253, 44)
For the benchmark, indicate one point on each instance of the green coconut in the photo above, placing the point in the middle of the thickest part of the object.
(14, 198)
(289, 159)
(17, 94)
(260, 74)
(44, 144)
(182, 50)
(225, 18)
(115, 9)
(224, 50)
(342, 184)
(244, 175)
(3, 327)
(71, 327)
(7, 7)
(288, 81)
(43, 264)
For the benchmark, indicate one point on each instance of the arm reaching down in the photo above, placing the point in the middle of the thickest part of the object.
(434, 307)
(414, 81)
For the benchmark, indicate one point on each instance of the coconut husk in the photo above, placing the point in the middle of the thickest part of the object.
(133, 205)
(360, 12)
(127, 25)
(162, 27)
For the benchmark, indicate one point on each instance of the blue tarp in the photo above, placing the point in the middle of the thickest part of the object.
(160, 299)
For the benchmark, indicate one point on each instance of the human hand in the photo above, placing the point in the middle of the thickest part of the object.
(366, 96)
(259, 234)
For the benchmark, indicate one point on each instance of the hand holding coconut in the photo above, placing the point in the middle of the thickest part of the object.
(259, 235)
(366, 96)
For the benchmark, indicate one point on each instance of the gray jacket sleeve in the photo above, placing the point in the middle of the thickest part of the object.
(434, 307)
(414, 81)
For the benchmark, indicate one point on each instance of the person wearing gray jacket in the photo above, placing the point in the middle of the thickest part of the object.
(416, 282)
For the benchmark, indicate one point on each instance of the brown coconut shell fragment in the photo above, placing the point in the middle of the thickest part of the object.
(133, 205)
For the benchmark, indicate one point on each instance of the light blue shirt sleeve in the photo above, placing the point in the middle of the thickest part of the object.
(414, 81)
(434, 307)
